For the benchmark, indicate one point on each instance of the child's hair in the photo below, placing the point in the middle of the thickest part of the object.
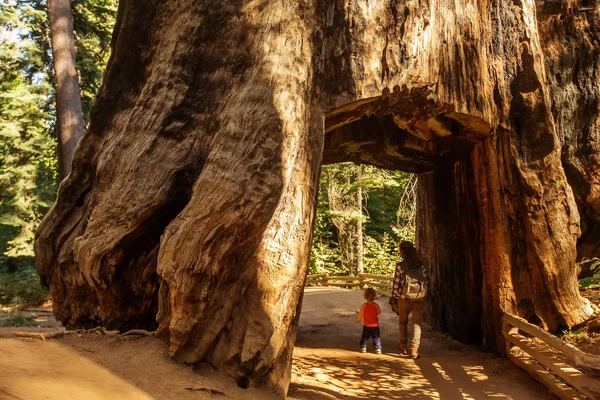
(370, 294)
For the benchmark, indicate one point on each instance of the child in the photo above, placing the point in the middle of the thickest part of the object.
(370, 312)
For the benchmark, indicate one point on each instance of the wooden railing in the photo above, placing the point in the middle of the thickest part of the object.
(566, 370)
(381, 283)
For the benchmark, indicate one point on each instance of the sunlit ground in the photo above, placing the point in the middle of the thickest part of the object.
(63, 376)
(327, 364)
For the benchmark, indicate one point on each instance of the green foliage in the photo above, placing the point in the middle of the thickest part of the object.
(93, 22)
(27, 152)
(19, 283)
(28, 157)
(592, 282)
(385, 213)
(325, 252)
(381, 256)
(16, 321)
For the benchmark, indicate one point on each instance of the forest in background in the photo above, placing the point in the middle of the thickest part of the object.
(362, 211)
(28, 141)
(362, 214)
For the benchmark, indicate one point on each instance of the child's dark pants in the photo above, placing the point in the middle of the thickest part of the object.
(368, 333)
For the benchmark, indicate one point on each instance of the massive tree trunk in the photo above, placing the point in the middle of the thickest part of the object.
(201, 164)
(520, 223)
(570, 37)
(191, 200)
(69, 115)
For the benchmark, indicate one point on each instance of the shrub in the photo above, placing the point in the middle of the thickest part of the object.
(16, 321)
(20, 285)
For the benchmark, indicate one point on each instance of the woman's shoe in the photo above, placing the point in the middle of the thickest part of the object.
(363, 349)
(402, 348)
(414, 353)
(377, 351)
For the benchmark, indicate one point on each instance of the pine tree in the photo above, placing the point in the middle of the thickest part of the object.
(27, 155)
(28, 159)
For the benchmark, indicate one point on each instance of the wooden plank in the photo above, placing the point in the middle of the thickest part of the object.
(506, 329)
(372, 276)
(377, 284)
(587, 385)
(542, 375)
(313, 276)
(349, 284)
(581, 359)
(342, 278)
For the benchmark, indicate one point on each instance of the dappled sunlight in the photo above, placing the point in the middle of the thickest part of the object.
(361, 376)
(441, 371)
(476, 373)
(328, 365)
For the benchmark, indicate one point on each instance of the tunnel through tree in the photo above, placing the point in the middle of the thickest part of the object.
(191, 199)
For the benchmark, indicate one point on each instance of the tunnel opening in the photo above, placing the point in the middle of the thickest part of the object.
(410, 132)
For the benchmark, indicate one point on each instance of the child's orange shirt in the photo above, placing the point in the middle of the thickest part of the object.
(371, 318)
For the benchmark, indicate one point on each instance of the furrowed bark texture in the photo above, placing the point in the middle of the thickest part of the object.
(570, 37)
(192, 194)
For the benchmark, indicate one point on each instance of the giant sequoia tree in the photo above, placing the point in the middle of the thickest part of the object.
(191, 200)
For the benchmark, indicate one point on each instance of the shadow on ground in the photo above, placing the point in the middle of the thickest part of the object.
(327, 364)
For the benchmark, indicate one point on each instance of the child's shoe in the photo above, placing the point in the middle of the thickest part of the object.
(377, 351)
(363, 349)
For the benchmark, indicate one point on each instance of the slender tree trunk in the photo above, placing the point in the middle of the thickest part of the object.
(69, 114)
(345, 227)
(359, 227)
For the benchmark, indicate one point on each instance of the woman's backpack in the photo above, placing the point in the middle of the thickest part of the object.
(414, 285)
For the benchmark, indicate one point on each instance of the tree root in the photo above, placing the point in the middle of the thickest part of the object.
(102, 331)
(83, 348)
(204, 389)
(50, 335)
(99, 329)
(141, 332)
(39, 335)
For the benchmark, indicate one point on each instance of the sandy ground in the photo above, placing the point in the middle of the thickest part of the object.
(327, 365)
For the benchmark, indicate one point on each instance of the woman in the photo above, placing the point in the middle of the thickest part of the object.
(408, 292)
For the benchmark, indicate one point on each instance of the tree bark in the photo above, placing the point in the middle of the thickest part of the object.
(570, 34)
(192, 194)
(520, 222)
(209, 105)
(69, 115)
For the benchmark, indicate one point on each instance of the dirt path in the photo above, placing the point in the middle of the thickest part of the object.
(326, 365)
